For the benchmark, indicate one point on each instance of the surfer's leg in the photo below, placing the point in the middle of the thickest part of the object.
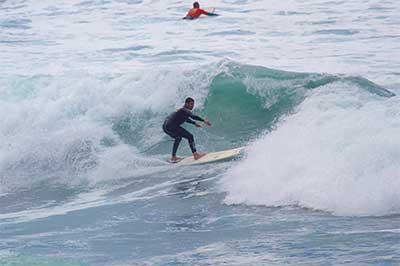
(176, 145)
(186, 134)
(173, 133)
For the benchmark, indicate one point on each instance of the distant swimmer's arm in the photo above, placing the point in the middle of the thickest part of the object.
(209, 14)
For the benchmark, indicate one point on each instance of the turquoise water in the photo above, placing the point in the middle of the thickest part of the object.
(310, 88)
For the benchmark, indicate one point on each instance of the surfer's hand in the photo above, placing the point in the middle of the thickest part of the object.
(207, 122)
(197, 125)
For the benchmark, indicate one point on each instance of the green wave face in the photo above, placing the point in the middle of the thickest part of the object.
(248, 100)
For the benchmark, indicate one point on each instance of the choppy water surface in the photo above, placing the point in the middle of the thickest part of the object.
(310, 87)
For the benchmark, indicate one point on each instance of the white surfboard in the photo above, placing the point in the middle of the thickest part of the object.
(212, 157)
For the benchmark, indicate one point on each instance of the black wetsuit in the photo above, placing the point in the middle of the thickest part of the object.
(172, 126)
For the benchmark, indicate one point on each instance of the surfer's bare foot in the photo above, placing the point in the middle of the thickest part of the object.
(175, 159)
(198, 155)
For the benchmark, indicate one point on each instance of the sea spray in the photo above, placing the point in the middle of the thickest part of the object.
(338, 153)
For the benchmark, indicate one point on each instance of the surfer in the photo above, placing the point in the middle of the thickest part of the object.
(196, 12)
(172, 126)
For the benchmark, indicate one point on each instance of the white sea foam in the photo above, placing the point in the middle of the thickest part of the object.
(63, 126)
(339, 152)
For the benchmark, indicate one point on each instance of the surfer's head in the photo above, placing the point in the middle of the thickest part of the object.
(196, 5)
(189, 103)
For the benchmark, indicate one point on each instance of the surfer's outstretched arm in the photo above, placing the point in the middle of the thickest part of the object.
(190, 121)
(195, 117)
(205, 120)
(198, 118)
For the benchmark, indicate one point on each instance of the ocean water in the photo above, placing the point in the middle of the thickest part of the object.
(311, 88)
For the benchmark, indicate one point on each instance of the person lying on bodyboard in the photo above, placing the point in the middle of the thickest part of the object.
(196, 12)
(172, 127)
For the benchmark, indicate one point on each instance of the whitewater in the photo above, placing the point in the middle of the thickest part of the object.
(310, 88)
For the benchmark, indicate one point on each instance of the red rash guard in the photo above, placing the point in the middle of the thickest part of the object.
(196, 12)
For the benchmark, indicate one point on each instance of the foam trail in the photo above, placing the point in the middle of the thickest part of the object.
(339, 153)
(66, 128)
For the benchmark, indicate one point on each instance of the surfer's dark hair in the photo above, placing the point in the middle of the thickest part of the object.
(196, 5)
(189, 100)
